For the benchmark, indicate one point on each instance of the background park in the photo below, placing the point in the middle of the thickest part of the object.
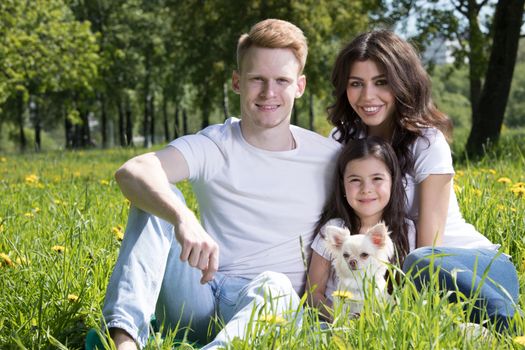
(87, 84)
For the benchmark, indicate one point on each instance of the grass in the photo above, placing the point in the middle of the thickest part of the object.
(62, 218)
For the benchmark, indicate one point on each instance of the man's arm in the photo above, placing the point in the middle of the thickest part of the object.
(146, 181)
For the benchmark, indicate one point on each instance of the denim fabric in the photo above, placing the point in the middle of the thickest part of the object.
(149, 278)
(498, 290)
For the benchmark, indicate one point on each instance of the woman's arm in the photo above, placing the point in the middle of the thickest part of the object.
(434, 196)
(318, 274)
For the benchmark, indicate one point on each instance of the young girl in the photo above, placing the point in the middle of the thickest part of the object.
(382, 89)
(367, 189)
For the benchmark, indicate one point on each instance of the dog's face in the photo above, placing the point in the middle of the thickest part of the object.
(366, 253)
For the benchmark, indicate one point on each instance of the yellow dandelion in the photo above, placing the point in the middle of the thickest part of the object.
(492, 171)
(520, 340)
(460, 173)
(76, 174)
(31, 179)
(477, 192)
(512, 209)
(457, 188)
(58, 201)
(117, 231)
(6, 260)
(343, 294)
(29, 215)
(22, 261)
(104, 182)
(518, 191)
(36, 210)
(58, 248)
(3, 160)
(272, 319)
(501, 207)
(72, 298)
(519, 184)
(504, 180)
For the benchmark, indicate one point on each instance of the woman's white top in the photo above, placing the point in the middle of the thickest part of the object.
(432, 155)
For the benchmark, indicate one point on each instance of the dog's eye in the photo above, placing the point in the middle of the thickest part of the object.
(364, 255)
(346, 255)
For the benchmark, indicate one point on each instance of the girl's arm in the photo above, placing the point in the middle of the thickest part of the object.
(434, 195)
(318, 274)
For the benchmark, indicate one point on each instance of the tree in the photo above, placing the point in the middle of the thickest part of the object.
(488, 119)
(43, 51)
(488, 42)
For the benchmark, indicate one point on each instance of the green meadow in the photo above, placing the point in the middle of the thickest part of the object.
(62, 218)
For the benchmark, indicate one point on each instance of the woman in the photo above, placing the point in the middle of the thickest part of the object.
(382, 89)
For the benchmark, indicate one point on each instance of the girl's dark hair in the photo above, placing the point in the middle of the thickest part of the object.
(394, 213)
(410, 84)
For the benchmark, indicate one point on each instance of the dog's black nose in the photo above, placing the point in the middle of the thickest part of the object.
(352, 263)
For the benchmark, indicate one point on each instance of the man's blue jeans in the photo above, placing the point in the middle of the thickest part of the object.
(497, 292)
(150, 278)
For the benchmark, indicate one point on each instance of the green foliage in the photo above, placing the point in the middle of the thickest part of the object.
(44, 49)
(515, 113)
(450, 93)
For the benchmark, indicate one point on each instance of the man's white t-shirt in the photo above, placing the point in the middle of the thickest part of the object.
(260, 206)
(432, 156)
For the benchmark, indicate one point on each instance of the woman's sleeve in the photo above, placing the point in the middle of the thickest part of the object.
(432, 155)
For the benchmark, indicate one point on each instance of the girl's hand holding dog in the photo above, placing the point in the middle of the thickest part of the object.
(198, 248)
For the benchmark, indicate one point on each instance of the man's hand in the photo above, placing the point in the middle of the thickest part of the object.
(198, 248)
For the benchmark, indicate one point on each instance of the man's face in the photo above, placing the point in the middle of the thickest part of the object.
(268, 83)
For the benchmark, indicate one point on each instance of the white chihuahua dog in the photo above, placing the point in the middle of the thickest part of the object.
(360, 260)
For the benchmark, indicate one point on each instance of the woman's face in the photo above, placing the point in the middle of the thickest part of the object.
(369, 93)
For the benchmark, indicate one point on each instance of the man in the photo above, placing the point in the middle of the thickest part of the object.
(260, 184)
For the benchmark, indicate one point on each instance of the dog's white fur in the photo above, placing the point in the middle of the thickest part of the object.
(359, 260)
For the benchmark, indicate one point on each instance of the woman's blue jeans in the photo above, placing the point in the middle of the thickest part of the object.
(149, 278)
(495, 284)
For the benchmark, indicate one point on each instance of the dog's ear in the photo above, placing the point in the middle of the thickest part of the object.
(378, 234)
(335, 236)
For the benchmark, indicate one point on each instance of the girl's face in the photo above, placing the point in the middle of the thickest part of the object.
(370, 95)
(368, 184)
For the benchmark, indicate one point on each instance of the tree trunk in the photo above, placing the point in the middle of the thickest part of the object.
(487, 122)
(476, 55)
(225, 102)
(20, 112)
(68, 128)
(176, 126)
(129, 123)
(184, 121)
(86, 132)
(311, 118)
(121, 121)
(295, 114)
(35, 117)
(205, 111)
(103, 121)
(145, 125)
(152, 119)
(165, 117)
